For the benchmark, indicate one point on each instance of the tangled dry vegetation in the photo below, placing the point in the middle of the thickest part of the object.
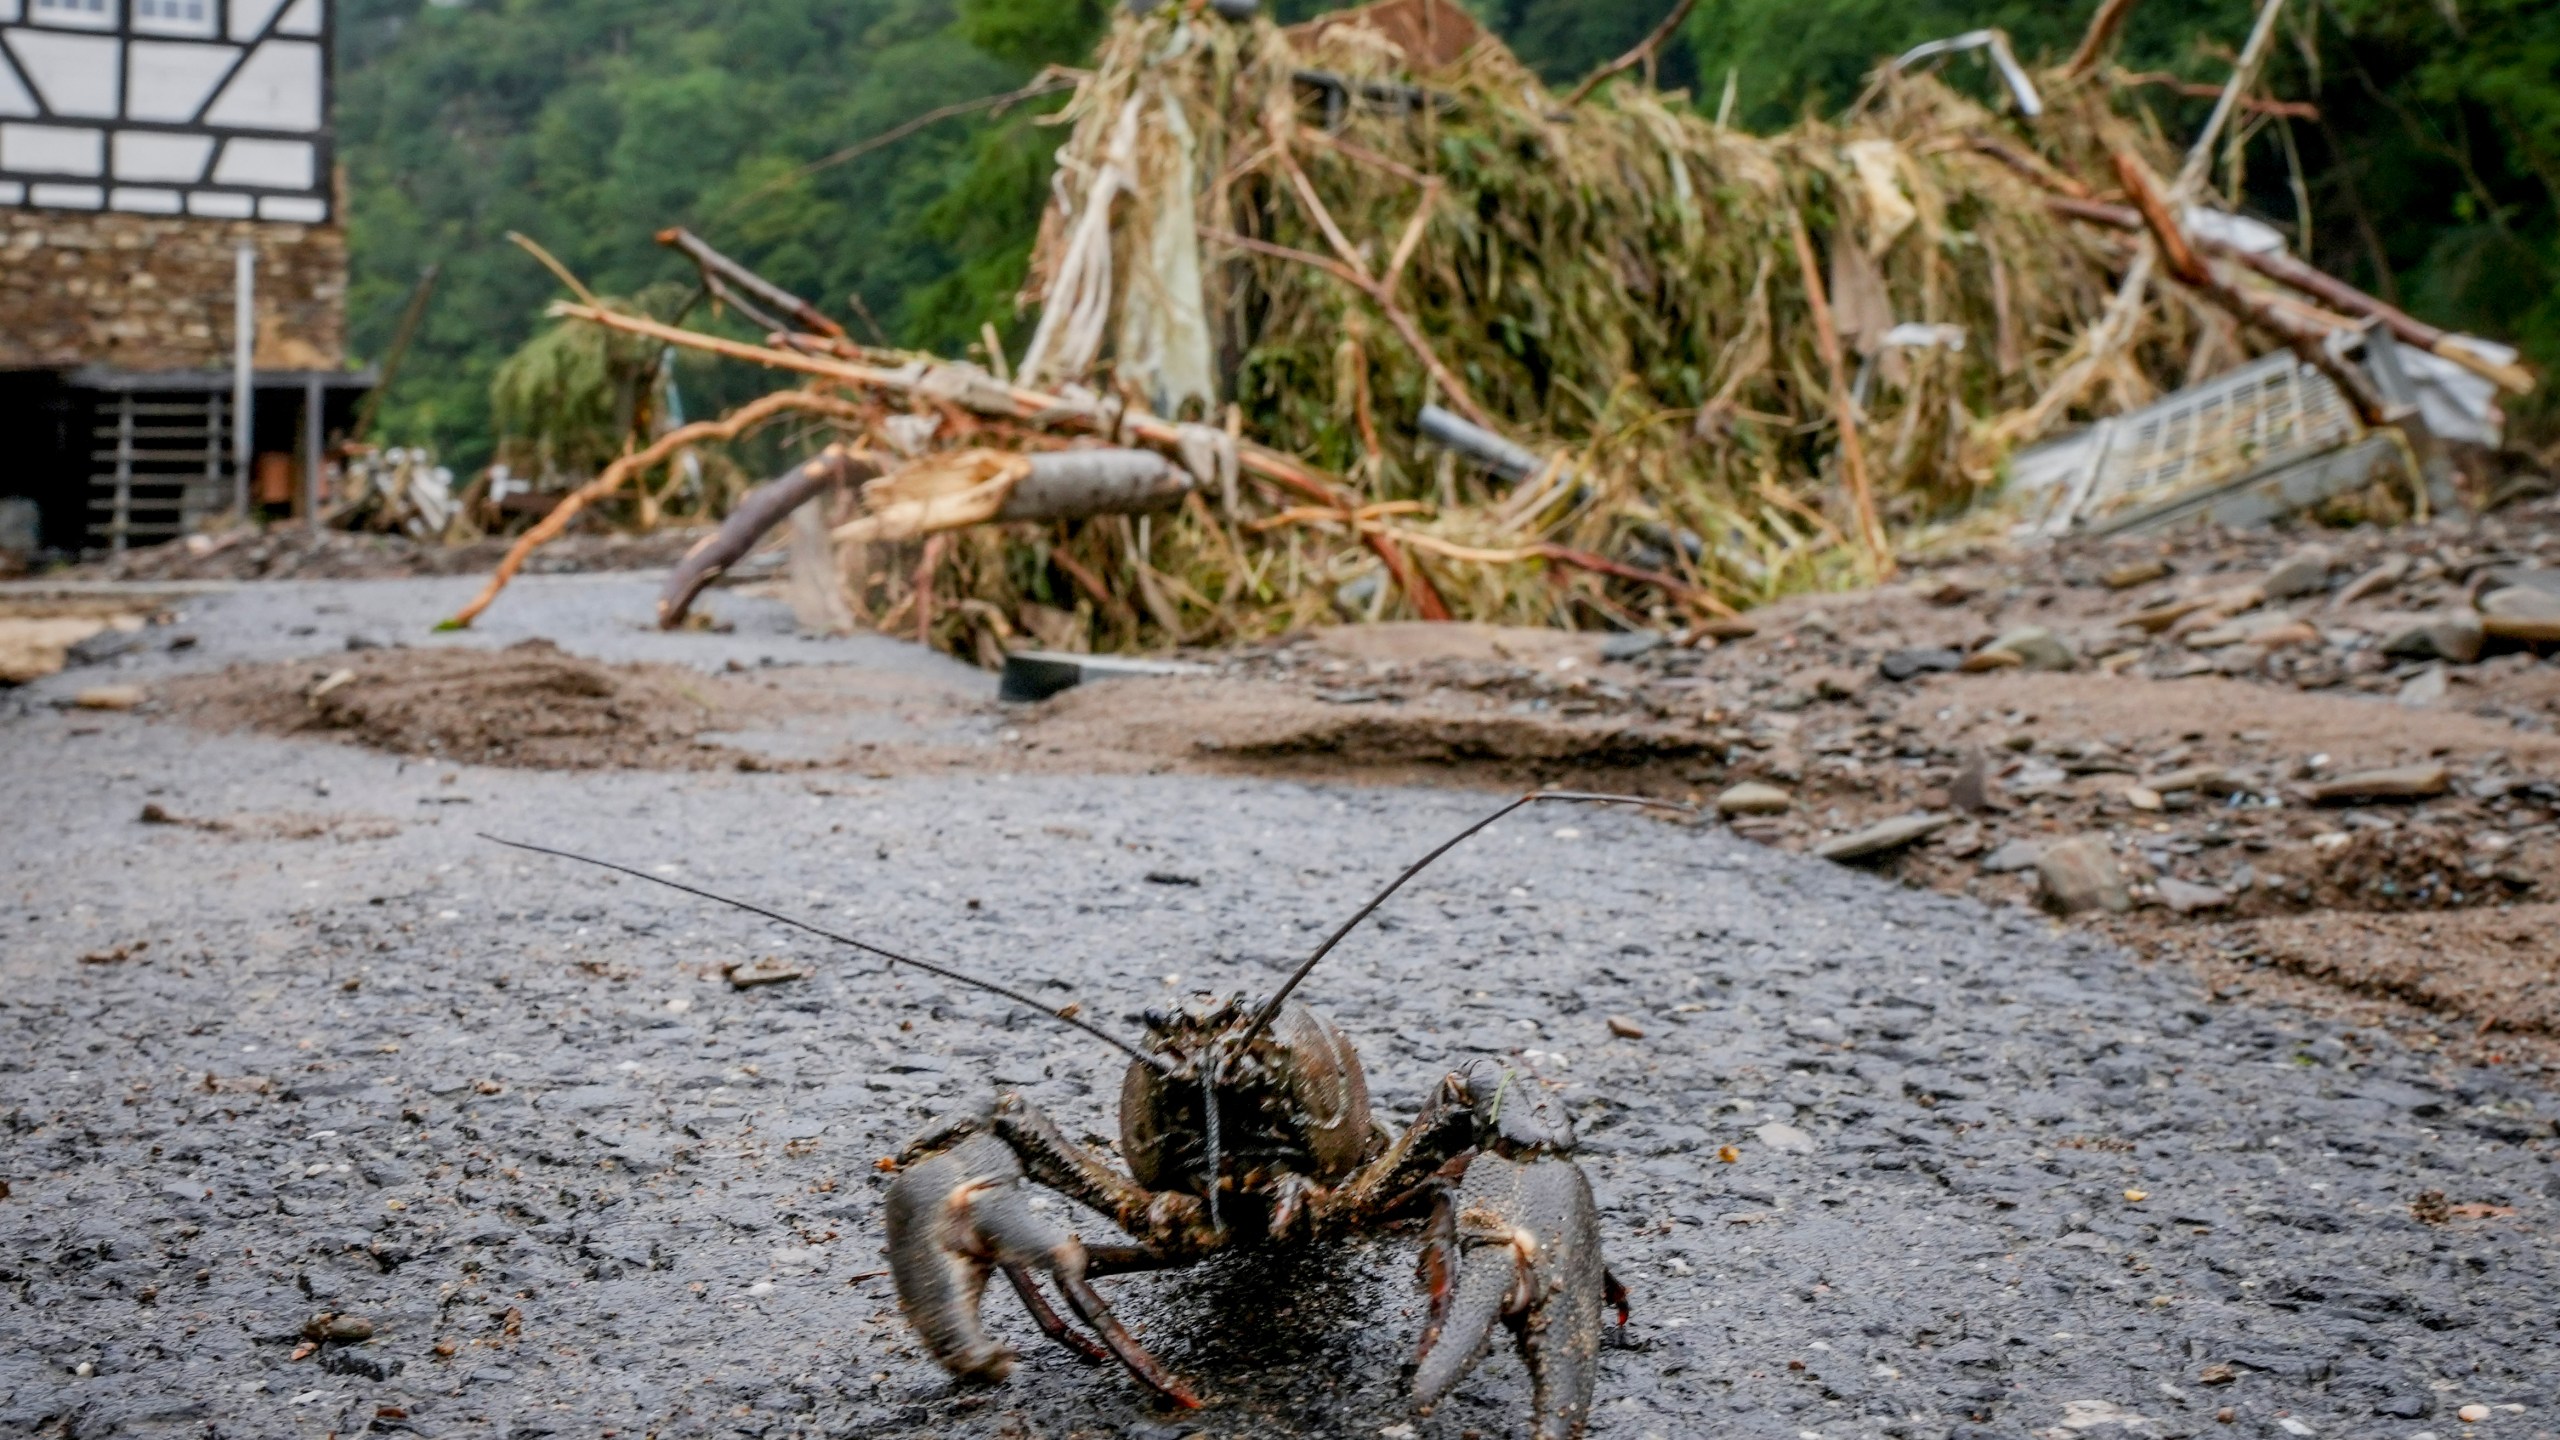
(1738, 365)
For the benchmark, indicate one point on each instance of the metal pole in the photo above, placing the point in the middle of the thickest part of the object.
(311, 440)
(244, 334)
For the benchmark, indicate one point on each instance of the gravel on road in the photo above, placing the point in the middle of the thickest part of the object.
(327, 1116)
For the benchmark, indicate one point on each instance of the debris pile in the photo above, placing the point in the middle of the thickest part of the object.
(1432, 341)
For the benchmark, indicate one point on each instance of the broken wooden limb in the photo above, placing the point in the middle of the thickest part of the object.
(2307, 338)
(984, 395)
(2194, 90)
(1844, 410)
(714, 264)
(954, 489)
(728, 427)
(2294, 273)
(1080, 484)
(1642, 54)
(757, 512)
(2102, 31)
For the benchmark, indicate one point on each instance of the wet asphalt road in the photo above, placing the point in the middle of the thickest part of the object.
(1989, 1178)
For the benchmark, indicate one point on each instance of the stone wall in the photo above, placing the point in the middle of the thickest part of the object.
(149, 292)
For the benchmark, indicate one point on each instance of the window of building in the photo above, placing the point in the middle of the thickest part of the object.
(174, 17)
(75, 14)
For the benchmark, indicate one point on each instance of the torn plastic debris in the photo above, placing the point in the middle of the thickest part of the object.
(2021, 89)
(1039, 674)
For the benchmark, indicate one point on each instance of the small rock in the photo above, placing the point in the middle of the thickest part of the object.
(2143, 797)
(1820, 1029)
(2522, 602)
(764, 972)
(109, 697)
(1624, 1028)
(2520, 627)
(350, 1328)
(2194, 777)
(1628, 644)
(2304, 572)
(2380, 578)
(1975, 790)
(1983, 660)
(2286, 635)
(2454, 635)
(1883, 839)
(1785, 1139)
(2080, 874)
(2140, 572)
(2423, 689)
(2186, 897)
(2473, 1414)
(1903, 664)
(2405, 782)
(1753, 798)
(2013, 856)
(2038, 649)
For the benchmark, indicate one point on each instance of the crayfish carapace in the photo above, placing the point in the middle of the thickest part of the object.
(1247, 1123)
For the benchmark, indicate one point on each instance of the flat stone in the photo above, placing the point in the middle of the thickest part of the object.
(2186, 897)
(1785, 1139)
(2522, 602)
(1903, 664)
(109, 697)
(2304, 572)
(2140, 572)
(1883, 839)
(2012, 856)
(2193, 777)
(2423, 689)
(2376, 580)
(1624, 1028)
(2038, 649)
(1989, 659)
(2454, 635)
(2514, 627)
(765, 972)
(1753, 798)
(2404, 782)
(1628, 644)
(1821, 1029)
(2080, 874)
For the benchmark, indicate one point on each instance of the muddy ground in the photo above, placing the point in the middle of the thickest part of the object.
(290, 1042)
(2203, 753)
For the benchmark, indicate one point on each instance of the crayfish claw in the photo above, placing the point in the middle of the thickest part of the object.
(1527, 1243)
(958, 1215)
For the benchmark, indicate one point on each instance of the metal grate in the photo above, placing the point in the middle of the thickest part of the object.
(2268, 413)
(159, 464)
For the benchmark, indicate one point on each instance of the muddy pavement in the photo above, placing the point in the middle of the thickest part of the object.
(1882, 1162)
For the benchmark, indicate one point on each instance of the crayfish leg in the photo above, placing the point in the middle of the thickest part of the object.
(1051, 1323)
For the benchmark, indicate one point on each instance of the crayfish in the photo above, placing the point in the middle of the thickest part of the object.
(1246, 1122)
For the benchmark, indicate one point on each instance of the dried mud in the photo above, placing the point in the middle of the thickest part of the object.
(528, 705)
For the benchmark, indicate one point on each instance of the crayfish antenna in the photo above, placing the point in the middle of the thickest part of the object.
(1271, 1008)
(957, 977)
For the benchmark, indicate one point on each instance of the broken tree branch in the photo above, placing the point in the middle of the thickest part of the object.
(2101, 33)
(728, 427)
(2286, 109)
(1844, 410)
(758, 511)
(713, 263)
(1643, 51)
(2307, 338)
(975, 391)
(2291, 271)
(1355, 271)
